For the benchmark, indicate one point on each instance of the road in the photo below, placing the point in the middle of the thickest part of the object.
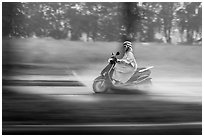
(167, 91)
(178, 90)
(107, 129)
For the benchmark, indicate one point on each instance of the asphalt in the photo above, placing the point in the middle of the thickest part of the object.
(106, 129)
(71, 89)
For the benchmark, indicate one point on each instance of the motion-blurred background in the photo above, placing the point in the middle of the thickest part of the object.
(84, 33)
(51, 40)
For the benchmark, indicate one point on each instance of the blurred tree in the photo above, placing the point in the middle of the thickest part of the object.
(7, 17)
(89, 19)
(190, 19)
(150, 21)
(130, 19)
(166, 15)
(36, 23)
(109, 21)
(13, 19)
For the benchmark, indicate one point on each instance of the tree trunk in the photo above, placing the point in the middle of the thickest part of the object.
(87, 36)
(130, 17)
(189, 36)
(169, 36)
(165, 33)
(181, 36)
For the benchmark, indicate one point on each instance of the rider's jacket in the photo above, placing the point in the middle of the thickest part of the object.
(129, 59)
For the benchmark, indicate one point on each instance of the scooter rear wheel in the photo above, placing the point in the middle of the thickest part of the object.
(99, 85)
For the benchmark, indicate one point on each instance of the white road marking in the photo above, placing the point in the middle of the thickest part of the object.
(115, 125)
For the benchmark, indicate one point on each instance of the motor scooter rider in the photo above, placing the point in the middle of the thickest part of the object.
(125, 67)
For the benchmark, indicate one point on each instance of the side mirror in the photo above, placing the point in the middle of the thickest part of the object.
(118, 53)
(112, 53)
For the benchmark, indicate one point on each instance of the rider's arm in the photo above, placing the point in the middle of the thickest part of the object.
(122, 61)
(128, 59)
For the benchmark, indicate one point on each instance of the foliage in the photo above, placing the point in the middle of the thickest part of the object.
(106, 21)
(190, 19)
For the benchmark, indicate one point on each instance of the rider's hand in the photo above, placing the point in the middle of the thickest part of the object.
(119, 60)
(110, 59)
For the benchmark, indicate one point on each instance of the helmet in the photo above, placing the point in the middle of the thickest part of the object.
(127, 44)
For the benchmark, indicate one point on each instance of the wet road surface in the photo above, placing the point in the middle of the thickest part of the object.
(168, 91)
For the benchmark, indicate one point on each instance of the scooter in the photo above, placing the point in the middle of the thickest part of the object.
(105, 83)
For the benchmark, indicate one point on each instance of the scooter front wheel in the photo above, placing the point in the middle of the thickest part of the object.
(99, 85)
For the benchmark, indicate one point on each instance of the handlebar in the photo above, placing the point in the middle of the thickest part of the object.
(113, 58)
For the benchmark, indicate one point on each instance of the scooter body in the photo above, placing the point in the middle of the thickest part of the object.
(104, 82)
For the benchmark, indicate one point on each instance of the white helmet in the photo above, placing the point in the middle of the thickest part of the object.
(127, 44)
